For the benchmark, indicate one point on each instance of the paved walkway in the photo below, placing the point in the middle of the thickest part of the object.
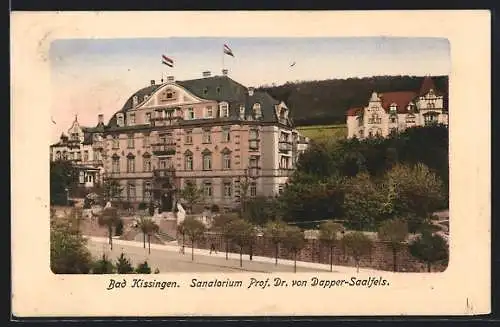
(167, 258)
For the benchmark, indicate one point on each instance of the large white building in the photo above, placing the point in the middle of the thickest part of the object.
(392, 112)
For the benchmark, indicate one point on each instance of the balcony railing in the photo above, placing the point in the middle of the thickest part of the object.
(98, 145)
(165, 148)
(164, 121)
(285, 146)
(164, 172)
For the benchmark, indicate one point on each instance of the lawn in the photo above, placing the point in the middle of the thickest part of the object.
(322, 133)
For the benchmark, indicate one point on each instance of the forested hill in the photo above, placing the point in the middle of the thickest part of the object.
(326, 101)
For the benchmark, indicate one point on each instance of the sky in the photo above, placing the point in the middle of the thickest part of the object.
(93, 76)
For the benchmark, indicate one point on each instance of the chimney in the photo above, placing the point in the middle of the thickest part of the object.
(152, 82)
(250, 91)
(100, 119)
(206, 73)
(170, 79)
(224, 72)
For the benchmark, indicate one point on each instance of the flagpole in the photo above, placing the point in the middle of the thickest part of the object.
(223, 57)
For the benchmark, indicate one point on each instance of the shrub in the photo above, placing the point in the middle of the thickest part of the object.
(142, 206)
(143, 268)
(103, 266)
(123, 265)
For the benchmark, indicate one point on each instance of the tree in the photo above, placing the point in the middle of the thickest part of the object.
(328, 232)
(194, 229)
(429, 248)
(109, 218)
(143, 268)
(395, 232)
(103, 266)
(241, 232)
(222, 224)
(358, 244)
(294, 241)
(363, 202)
(418, 192)
(111, 189)
(261, 209)
(68, 250)
(148, 227)
(63, 176)
(275, 231)
(191, 194)
(123, 265)
(244, 186)
(76, 217)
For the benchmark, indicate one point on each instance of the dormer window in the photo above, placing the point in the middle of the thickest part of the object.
(205, 91)
(224, 109)
(209, 112)
(218, 89)
(135, 100)
(119, 120)
(393, 108)
(242, 112)
(283, 113)
(257, 111)
(190, 113)
(131, 119)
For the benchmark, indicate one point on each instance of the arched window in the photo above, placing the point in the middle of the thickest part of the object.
(226, 158)
(188, 160)
(224, 109)
(207, 160)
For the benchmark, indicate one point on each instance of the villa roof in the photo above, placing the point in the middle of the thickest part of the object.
(401, 99)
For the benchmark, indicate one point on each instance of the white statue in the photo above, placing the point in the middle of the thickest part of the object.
(181, 213)
(108, 205)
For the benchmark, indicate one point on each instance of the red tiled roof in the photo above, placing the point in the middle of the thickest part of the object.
(353, 111)
(401, 99)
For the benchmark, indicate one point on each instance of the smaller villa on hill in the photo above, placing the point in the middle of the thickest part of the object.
(392, 112)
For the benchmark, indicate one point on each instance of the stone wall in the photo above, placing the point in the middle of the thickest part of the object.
(380, 257)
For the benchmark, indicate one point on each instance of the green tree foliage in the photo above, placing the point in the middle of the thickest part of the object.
(358, 245)
(333, 97)
(109, 218)
(222, 224)
(241, 233)
(275, 231)
(191, 195)
(329, 236)
(103, 266)
(395, 232)
(63, 176)
(143, 268)
(148, 228)
(68, 249)
(194, 229)
(429, 248)
(123, 265)
(294, 241)
(260, 209)
(417, 193)
(363, 202)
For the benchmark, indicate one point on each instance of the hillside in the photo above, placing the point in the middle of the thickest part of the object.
(326, 101)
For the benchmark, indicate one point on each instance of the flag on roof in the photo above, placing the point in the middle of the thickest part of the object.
(167, 61)
(228, 51)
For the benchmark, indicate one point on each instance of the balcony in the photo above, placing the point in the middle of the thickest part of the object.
(285, 146)
(98, 145)
(168, 172)
(254, 144)
(164, 121)
(162, 149)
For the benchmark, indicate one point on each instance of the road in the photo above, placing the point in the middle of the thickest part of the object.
(169, 259)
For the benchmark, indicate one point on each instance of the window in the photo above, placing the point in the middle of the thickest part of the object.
(170, 95)
(284, 161)
(393, 119)
(119, 120)
(205, 91)
(218, 90)
(207, 136)
(86, 155)
(253, 189)
(410, 119)
(78, 155)
(82, 177)
(188, 161)
(147, 191)
(253, 134)
(257, 111)
(224, 109)
(281, 187)
(361, 133)
(207, 161)
(130, 165)
(242, 111)
(226, 161)
(58, 155)
(225, 134)
(116, 142)
(190, 113)
(188, 137)
(374, 119)
(135, 100)
(393, 131)
(207, 189)
(130, 141)
(131, 192)
(393, 108)
(254, 162)
(131, 119)
(145, 141)
(147, 118)
(227, 189)
(146, 164)
(115, 167)
(65, 155)
(430, 119)
(209, 112)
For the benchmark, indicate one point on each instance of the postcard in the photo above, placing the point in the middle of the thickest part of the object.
(250, 163)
